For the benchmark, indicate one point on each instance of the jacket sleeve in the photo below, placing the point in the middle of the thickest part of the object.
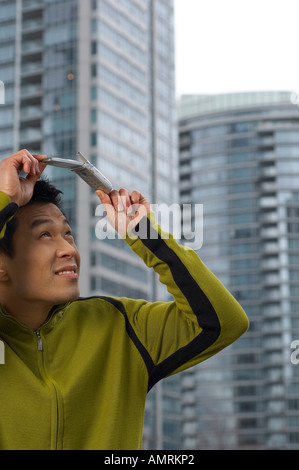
(202, 319)
(7, 211)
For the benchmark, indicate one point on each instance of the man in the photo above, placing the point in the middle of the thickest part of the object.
(77, 370)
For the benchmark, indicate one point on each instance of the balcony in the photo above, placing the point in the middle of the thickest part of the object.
(266, 141)
(31, 134)
(271, 279)
(32, 25)
(188, 381)
(32, 4)
(267, 155)
(31, 90)
(269, 187)
(269, 233)
(265, 127)
(268, 172)
(32, 68)
(184, 141)
(188, 398)
(32, 47)
(31, 113)
(185, 184)
(266, 202)
(270, 264)
(269, 217)
(270, 248)
(272, 341)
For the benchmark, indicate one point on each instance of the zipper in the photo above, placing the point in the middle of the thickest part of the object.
(56, 400)
(55, 396)
(39, 340)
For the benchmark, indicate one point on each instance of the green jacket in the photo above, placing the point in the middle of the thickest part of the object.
(81, 381)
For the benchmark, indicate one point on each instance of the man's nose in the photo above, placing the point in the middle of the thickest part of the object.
(65, 249)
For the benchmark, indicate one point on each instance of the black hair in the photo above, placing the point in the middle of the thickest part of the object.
(44, 192)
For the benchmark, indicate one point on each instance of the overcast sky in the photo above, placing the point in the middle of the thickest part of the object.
(236, 45)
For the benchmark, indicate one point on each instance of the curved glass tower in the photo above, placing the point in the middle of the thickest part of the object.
(239, 157)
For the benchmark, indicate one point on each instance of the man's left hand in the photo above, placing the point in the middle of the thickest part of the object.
(124, 210)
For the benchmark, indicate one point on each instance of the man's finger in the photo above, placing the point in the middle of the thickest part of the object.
(105, 198)
(136, 197)
(39, 157)
(117, 201)
(126, 199)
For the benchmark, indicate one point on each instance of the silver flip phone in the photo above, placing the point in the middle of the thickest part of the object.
(89, 173)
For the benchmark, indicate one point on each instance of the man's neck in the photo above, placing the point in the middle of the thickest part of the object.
(33, 316)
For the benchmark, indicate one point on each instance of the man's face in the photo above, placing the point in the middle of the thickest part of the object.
(45, 265)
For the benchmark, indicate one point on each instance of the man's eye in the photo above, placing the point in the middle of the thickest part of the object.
(44, 234)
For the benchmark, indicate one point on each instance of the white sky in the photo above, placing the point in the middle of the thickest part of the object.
(236, 45)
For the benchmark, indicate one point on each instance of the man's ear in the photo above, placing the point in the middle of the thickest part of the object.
(3, 270)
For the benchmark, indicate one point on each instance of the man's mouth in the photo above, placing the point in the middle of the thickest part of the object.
(70, 272)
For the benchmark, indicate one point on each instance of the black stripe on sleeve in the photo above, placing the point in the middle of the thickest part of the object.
(7, 213)
(143, 352)
(198, 301)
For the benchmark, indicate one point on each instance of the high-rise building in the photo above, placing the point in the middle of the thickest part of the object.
(98, 76)
(239, 157)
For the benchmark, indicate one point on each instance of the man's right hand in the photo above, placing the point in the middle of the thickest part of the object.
(20, 189)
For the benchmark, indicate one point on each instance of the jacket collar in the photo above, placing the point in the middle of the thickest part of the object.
(10, 326)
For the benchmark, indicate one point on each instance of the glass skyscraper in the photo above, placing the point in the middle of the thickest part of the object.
(98, 76)
(239, 157)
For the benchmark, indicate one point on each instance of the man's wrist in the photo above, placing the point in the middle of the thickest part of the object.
(5, 199)
(142, 230)
(7, 211)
